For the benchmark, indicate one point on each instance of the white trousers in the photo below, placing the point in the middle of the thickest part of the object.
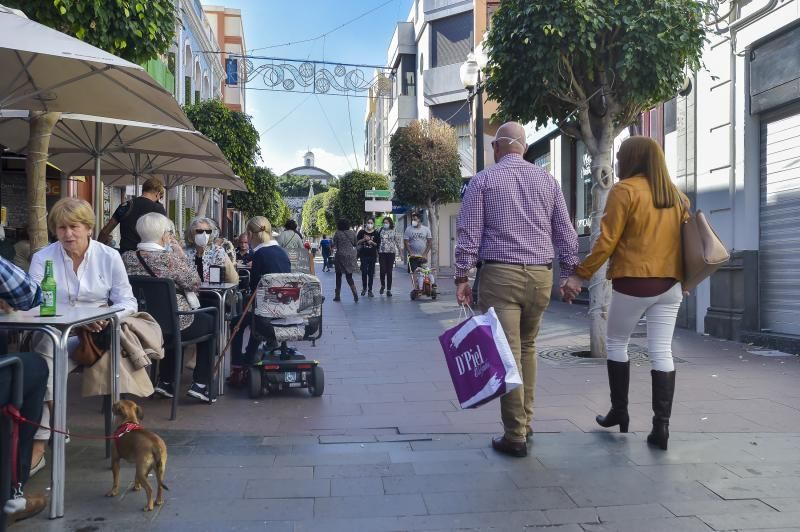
(661, 311)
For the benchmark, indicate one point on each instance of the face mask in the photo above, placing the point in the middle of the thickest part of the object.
(415, 223)
(202, 239)
(168, 246)
(370, 226)
(386, 226)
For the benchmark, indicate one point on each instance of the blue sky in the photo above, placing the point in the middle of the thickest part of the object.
(270, 22)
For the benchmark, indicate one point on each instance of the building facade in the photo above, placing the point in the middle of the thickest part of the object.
(425, 53)
(228, 30)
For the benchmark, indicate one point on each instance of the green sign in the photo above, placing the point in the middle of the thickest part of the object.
(381, 194)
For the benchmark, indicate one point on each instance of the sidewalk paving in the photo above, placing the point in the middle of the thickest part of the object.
(387, 447)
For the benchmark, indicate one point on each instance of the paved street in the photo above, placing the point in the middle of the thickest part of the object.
(387, 447)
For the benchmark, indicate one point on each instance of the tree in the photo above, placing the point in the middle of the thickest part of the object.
(326, 217)
(263, 199)
(235, 135)
(318, 218)
(593, 67)
(350, 198)
(311, 209)
(294, 186)
(425, 165)
(136, 31)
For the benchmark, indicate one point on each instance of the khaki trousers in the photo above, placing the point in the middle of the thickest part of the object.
(519, 295)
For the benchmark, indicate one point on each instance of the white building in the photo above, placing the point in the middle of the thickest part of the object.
(426, 53)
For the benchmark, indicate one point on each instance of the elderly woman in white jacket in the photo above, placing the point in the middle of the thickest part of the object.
(87, 274)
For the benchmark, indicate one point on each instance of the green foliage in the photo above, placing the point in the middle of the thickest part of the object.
(326, 217)
(233, 132)
(349, 201)
(309, 217)
(425, 163)
(263, 198)
(297, 185)
(131, 29)
(547, 59)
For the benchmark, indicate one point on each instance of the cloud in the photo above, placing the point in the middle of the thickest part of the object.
(280, 162)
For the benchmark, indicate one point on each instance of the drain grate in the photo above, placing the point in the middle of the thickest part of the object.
(580, 355)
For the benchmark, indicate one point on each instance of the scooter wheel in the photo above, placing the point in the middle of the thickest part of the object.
(413, 295)
(317, 385)
(255, 385)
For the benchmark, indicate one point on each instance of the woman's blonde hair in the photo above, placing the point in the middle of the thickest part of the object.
(69, 211)
(260, 230)
(643, 156)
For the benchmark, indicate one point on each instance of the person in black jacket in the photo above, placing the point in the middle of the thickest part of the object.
(368, 241)
(268, 257)
(129, 213)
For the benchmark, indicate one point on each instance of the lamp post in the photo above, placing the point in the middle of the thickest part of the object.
(470, 73)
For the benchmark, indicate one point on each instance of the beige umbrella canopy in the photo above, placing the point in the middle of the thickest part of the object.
(122, 151)
(46, 70)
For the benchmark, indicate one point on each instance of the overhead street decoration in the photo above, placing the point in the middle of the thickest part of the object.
(316, 77)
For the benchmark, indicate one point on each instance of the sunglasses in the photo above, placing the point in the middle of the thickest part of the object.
(201, 231)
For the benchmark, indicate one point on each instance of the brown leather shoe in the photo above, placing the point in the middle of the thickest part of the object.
(502, 445)
(33, 505)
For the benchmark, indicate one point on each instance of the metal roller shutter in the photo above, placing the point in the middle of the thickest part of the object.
(779, 253)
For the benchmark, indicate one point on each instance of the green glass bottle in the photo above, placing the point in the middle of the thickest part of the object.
(48, 306)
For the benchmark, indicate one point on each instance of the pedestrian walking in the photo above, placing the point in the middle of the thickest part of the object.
(367, 241)
(641, 234)
(325, 246)
(291, 240)
(512, 217)
(344, 245)
(389, 248)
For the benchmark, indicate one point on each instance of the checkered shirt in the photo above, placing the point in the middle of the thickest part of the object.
(17, 288)
(514, 212)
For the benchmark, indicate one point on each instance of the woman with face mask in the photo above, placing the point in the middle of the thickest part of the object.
(389, 247)
(367, 241)
(204, 251)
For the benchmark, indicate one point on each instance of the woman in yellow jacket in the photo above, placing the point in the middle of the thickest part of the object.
(641, 238)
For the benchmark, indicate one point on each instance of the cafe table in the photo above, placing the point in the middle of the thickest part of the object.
(220, 292)
(58, 329)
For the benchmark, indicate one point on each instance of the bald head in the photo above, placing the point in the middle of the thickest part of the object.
(510, 138)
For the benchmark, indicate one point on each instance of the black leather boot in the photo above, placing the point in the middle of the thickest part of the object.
(663, 392)
(354, 290)
(336, 296)
(619, 378)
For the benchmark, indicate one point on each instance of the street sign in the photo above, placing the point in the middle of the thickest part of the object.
(377, 206)
(378, 194)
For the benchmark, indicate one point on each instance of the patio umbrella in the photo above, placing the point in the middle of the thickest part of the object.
(83, 145)
(46, 70)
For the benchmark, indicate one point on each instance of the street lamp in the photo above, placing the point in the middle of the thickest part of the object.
(470, 73)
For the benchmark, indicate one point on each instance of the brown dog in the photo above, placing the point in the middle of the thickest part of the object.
(142, 447)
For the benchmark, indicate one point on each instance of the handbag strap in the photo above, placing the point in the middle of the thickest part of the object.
(144, 264)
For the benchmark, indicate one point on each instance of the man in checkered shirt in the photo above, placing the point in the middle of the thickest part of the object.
(512, 218)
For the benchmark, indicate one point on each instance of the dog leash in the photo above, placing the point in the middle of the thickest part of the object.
(235, 331)
(17, 418)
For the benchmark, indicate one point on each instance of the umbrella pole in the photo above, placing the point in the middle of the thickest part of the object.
(98, 181)
(136, 175)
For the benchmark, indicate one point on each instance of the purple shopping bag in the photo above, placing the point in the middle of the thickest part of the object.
(480, 360)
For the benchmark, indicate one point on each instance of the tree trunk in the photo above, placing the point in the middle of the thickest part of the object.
(599, 286)
(433, 215)
(41, 127)
(202, 209)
